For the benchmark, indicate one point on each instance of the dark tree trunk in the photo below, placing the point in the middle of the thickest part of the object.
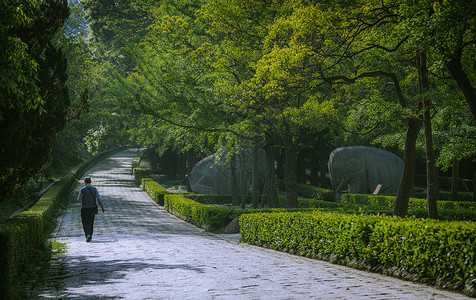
(455, 181)
(254, 179)
(406, 182)
(235, 199)
(171, 160)
(474, 186)
(243, 190)
(301, 167)
(290, 170)
(456, 71)
(279, 155)
(191, 161)
(431, 178)
(323, 159)
(182, 169)
(152, 157)
(270, 195)
(315, 164)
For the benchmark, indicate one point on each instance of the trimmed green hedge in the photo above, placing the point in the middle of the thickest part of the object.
(155, 190)
(140, 173)
(380, 200)
(442, 253)
(210, 218)
(447, 210)
(23, 236)
(214, 199)
(462, 196)
(444, 195)
(309, 191)
(136, 160)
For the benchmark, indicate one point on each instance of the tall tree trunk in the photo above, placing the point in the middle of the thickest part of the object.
(182, 169)
(152, 157)
(455, 181)
(431, 178)
(474, 186)
(171, 161)
(323, 159)
(315, 164)
(301, 167)
(270, 195)
(243, 190)
(279, 156)
(191, 161)
(235, 200)
(254, 179)
(456, 71)
(290, 170)
(406, 182)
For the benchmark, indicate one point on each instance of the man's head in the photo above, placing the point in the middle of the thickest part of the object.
(87, 180)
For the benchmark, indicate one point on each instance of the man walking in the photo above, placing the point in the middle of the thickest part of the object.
(88, 196)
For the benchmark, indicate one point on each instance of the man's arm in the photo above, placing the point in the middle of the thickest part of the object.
(80, 196)
(98, 197)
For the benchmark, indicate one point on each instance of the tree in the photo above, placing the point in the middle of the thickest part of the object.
(447, 29)
(31, 120)
(113, 26)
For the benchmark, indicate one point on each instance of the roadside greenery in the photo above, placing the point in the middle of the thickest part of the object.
(358, 233)
(297, 76)
(23, 238)
(434, 252)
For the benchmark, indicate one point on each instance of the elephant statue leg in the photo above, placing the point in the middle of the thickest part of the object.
(337, 194)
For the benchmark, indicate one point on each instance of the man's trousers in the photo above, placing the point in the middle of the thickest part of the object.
(87, 217)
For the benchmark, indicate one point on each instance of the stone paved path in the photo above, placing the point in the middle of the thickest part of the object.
(139, 251)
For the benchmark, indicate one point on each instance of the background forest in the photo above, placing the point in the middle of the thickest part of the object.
(189, 78)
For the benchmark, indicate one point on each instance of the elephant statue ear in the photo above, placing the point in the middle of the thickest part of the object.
(354, 164)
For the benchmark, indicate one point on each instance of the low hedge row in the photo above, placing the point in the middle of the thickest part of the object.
(444, 182)
(210, 218)
(205, 216)
(140, 173)
(136, 160)
(214, 199)
(445, 195)
(309, 191)
(22, 237)
(447, 210)
(441, 253)
(155, 190)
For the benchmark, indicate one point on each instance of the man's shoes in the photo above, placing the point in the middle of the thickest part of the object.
(89, 238)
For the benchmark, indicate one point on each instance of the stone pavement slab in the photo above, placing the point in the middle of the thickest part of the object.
(139, 251)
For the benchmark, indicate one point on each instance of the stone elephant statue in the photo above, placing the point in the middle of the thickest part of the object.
(361, 169)
(212, 176)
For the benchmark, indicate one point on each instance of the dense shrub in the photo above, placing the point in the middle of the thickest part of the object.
(310, 191)
(447, 210)
(23, 236)
(442, 253)
(140, 173)
(155, 190)
(462, 196)
(214, 199)
(208, 217)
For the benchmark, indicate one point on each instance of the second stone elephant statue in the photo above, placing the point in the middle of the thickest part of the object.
(361, 169)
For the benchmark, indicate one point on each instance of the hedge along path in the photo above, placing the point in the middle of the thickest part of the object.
(139, 251)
